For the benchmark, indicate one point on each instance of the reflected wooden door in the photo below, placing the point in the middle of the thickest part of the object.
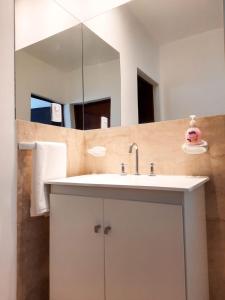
(93, 111)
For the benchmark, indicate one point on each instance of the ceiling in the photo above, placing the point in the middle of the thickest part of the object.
(169, 20)
(88, 9)
(164, 20)
(64, 50)
(96, 50)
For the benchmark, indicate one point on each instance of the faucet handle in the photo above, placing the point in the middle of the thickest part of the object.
(123, 169)
(152, 169)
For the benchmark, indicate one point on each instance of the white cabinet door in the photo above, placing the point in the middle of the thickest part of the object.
(76, 250)
(144, 251)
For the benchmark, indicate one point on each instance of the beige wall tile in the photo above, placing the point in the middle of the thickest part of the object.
(159, 143)
(33, 233)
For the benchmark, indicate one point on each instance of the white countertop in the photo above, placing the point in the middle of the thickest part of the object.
(144, 182)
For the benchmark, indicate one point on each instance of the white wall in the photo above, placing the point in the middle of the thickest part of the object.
(34, 76)
(39, 19)
(37, 77)
(137, 50)
(192, 72)
(224, 16)
(7, 155)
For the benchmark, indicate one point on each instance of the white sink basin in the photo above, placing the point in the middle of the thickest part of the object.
(159, 182)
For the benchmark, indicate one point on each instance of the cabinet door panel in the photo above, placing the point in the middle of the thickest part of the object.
(76, 251)
(144, 252)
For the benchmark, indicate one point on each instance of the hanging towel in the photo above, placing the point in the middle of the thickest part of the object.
(56, 111)
(49, 162)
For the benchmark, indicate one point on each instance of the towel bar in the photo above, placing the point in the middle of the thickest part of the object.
(27, 145)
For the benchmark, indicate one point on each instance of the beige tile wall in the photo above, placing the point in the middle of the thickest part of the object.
(28, 132)
(33, 233)
(159, 143)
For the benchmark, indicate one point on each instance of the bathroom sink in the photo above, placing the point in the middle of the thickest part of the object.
(159, 182)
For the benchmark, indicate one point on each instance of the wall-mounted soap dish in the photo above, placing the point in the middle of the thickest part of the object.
(195, 149)
(97, 151)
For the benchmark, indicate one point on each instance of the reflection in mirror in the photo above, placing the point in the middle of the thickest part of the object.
(48, 63)
(61, 64)
(144, 61)
(49, 79)
(101, 66)
(171, 56)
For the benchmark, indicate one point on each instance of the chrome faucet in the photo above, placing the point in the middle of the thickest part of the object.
(134, 145)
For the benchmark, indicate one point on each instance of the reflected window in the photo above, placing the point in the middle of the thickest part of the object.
(46, 111)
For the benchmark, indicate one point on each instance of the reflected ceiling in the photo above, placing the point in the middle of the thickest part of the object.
(160, 18)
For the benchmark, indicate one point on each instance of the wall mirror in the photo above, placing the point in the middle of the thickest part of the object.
(66, 75)
(144, 61)
(101, 80)
(49, 76)
(171, 55)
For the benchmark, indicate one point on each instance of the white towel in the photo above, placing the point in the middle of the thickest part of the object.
(49, 162)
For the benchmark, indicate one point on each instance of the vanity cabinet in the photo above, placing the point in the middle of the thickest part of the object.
(128, 243)
(116, 249)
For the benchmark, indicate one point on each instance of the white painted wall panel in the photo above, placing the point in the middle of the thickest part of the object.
(7, 155)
